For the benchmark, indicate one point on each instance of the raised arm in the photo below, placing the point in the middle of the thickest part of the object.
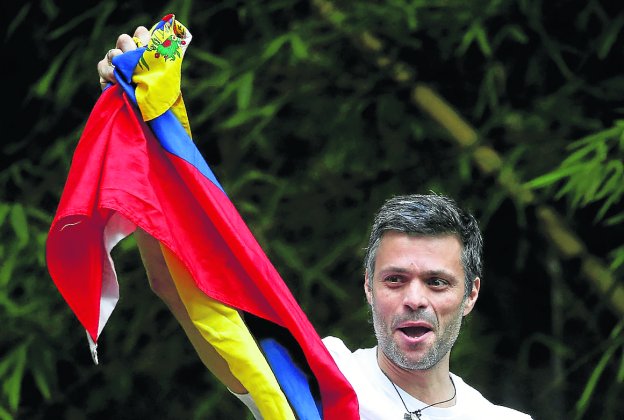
(156, 268)
(162, 284)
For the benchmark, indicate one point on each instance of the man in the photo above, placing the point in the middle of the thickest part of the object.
(422, 276)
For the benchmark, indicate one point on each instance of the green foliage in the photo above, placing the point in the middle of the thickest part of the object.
(592, 173)
(617, 342)
(24, 308)
(309, 133)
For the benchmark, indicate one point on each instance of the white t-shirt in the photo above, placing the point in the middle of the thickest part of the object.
(378, 399)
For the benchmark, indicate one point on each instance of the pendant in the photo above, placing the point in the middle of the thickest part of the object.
(412, 416)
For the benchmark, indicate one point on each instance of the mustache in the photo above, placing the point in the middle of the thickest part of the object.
(419, 315)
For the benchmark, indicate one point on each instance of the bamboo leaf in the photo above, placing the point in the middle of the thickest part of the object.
(245, 89)
(482, 41)
(217, 102)
(213, 59)
(518, 34)
(40, 368)
(274, 46)
(17, 20)
(299, 48)
(615, 220)
(596, 139)
(74, 22)
(552, 177)
(4, 210)
(245, 116)
(467, 39)
(578, 155)
(610, 36)
(19, 225)
(50, 8)
(101, 19)
(6, 270)
(606, 206)
(5, 415)
(613, 183)
(618, 258)
(45, 82)
(582, 404)
(249, 177)
(12, 383)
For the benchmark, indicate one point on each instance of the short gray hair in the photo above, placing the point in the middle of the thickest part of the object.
(429, 215)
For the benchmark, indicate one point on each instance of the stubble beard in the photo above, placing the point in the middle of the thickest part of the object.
(443, 343)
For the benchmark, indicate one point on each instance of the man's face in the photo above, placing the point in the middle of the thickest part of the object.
(417, 298)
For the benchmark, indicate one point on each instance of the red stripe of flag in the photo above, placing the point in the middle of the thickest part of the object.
(119, 167)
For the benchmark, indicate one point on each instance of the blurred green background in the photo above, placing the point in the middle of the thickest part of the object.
(312, 113)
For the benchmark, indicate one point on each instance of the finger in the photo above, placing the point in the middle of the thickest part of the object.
(143, 34)
(112, 53)
(125, 43)
(106, 73)
(106, 68)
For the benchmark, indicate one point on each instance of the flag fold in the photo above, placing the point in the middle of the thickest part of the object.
(137, 166)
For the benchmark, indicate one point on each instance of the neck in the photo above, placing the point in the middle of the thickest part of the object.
(429, 386)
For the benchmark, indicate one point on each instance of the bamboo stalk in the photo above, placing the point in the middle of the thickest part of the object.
(488, 160)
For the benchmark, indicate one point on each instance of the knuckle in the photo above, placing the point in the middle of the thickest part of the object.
(122, 40)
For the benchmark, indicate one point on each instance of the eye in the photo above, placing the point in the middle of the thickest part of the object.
(393, 279)
(437, 282)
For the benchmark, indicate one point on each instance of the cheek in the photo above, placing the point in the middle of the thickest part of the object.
(383, 304)
(449, 307)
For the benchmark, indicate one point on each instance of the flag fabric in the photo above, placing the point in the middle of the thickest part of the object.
(137, 166)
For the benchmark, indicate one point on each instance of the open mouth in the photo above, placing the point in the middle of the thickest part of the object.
(415, 332)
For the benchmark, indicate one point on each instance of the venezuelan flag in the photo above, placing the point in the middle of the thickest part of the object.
(137, 166)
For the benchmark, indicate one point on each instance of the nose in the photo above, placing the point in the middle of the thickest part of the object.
(415, 296)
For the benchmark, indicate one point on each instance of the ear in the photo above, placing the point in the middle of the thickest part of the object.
(367, 288)
(472, 297)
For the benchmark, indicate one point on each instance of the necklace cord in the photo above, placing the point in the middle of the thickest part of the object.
(419, 411)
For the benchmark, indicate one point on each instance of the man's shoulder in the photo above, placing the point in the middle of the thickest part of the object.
(335, 345)
(351, 363)
(476, 402)
(501, 412)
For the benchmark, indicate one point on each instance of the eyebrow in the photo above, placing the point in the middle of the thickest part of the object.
(428, 273)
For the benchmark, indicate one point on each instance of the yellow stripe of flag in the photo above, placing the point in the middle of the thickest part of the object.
(223, 327)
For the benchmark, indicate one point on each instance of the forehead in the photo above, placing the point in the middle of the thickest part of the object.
(398, 249)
